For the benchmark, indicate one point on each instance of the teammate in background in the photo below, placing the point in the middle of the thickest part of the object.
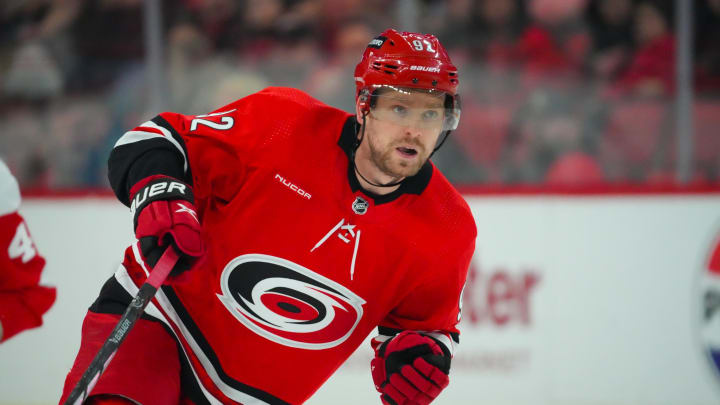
(22, 300)
(301, 228)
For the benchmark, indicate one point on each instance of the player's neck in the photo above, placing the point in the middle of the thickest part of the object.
(368, 173)
(375, 189)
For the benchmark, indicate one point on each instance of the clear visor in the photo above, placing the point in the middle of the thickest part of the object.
(422, 109)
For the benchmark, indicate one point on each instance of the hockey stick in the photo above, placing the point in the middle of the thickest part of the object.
(136, 308)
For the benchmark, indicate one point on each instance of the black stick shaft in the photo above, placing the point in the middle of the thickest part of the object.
(133, 312)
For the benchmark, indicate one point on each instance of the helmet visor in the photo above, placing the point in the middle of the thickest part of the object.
(417, 108)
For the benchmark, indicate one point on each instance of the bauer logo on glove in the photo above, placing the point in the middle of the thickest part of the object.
(160, 189)
(165, 215)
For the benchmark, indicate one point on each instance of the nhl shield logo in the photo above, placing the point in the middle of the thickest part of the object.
(360, 206)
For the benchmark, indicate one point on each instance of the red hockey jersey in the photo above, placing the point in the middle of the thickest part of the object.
(303, 263)
(22, 301)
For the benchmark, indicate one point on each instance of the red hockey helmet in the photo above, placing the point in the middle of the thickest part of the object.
(407, 60)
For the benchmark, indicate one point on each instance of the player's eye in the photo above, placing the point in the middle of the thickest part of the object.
(430, 115)
(399, 110)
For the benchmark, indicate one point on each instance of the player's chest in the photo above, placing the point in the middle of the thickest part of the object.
(313, 220)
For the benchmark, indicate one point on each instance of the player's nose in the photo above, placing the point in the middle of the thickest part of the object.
(412, 131)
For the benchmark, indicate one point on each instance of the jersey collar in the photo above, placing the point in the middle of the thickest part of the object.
(411, 185)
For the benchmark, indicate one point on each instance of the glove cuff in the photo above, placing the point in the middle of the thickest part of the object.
(409, 345)
(443, 346)
(155, 188)
(380, 349)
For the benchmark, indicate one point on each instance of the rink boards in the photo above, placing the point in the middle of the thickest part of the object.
(580, 299)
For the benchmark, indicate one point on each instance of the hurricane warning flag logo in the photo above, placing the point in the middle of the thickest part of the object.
(710, 307)
(288, 303)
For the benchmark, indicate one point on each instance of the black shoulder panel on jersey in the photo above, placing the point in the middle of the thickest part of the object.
(132, 162)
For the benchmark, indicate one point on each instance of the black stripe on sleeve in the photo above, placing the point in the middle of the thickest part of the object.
(159, 120)
(132, 162)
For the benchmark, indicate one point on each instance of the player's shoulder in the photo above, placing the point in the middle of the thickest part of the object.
(287, 99)
(287, 110)
(270, 105)
(288, 95)
(9, 191)
(450, 213)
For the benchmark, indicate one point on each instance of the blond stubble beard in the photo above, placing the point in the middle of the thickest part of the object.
(384, 161)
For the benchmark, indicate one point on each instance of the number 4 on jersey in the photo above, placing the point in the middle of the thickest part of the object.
(22, 245)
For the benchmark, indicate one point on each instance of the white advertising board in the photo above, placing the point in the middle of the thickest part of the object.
(597, 300)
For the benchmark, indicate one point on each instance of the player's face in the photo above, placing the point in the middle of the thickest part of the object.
(401, 132)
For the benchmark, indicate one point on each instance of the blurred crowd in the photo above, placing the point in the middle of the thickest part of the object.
(577, 92)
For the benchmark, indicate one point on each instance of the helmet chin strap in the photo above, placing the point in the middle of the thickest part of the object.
(358, 141)
(445, 137)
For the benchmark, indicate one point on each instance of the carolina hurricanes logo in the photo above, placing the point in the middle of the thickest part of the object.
(288, 303)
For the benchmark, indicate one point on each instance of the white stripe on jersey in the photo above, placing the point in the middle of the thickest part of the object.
(9, 191)
(442, 337)
(138, 135)
(381, 338)
(229, 391)
(123, 278)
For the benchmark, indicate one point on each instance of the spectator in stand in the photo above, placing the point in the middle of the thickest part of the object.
(497, 25)
(218, 20)
(33, 74)
(23, 143)
(550, 140)
(193, 70)
(651, 73)
(296, 54)
(496, 29)
(329, 82)
(707, 46)
(456, 27)
(335, 12)
(575, 169)
(258, 27)
(108, 37)
(611, 25)
(35, 48)
(78, 125)
(554, 48)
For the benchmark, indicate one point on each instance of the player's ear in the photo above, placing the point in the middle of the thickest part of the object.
(358, 109)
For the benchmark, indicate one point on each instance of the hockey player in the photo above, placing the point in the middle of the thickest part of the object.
(22, 301)
(301, 228)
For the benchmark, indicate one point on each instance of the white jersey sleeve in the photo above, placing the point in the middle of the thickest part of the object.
(9, 191)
